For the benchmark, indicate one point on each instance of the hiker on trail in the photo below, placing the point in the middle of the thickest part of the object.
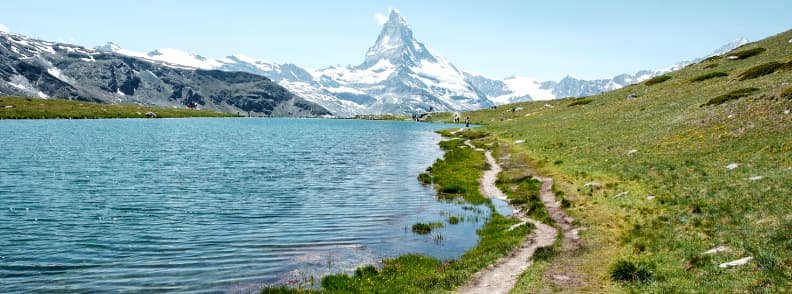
(467, 121)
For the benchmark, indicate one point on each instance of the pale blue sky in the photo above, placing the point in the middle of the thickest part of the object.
(544, 40)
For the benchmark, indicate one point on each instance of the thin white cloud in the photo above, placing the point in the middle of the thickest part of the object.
(381, 18)
(4, 28)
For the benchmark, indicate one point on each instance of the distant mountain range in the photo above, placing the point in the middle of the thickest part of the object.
(516, 89)
(35, 68)
(398, 75)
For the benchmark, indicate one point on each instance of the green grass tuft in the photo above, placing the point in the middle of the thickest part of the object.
(787, 93)
(425, 178)
(36, 108)
(787, 66)
(366, 271)
(627, 271)
(708, 76)
(425, 228)
(454, 220)
(748, 53)
(545, 253)
(760, 70)
(657, 80)
(733, 95)
(285, 290)
(580, 101)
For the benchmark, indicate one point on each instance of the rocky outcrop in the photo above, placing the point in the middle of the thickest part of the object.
(43, 69)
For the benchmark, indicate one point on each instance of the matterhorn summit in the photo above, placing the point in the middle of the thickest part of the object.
(397, 45)
(401, 75)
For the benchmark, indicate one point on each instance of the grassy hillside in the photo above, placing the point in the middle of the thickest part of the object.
(701, 158)
(34, 108)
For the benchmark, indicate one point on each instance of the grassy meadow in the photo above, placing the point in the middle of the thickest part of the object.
(36, 108)
(701, 158)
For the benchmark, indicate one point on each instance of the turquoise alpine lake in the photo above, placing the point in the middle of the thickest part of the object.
(214, 205)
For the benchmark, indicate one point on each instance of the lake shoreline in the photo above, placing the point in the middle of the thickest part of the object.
(455, 176)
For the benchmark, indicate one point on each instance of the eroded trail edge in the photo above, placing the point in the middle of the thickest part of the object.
(503, 275)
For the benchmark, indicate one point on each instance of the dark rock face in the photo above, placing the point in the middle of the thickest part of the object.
(43, 69)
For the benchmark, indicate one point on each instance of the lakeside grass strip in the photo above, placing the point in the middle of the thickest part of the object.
(37, 108)
(461, 168)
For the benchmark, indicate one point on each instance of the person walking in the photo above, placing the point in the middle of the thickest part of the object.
(467, 121)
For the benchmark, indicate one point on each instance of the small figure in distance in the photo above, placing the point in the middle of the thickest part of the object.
(467, 121)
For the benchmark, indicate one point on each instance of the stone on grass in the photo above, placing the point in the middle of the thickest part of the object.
(734, 263)
(732, 166)
(756, 178)
(592, 184)
(622, 194)
(519, 141)
(631, 152)
(548, 106)
(718, 249)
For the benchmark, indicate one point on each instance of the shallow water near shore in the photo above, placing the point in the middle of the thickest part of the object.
(214, 205)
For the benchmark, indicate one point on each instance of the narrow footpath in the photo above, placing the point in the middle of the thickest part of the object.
(503, 275)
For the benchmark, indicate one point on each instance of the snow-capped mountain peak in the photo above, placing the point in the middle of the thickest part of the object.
(397, 45)
(729, 46)
(108, 47)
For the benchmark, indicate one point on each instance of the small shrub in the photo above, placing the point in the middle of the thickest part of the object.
(733, 95)
(627, 271)
(545, 253)
(787, 66)
(557, 162)
(366, 271)
(425, 178)
(712, 58)
(708, 76)
(565, 203)
(787, 93)
(453, 220)
(453, 189)
(697, 261)
(580, 101)
(748, 53)
(656, 80)
(336, 282)
(760, 70)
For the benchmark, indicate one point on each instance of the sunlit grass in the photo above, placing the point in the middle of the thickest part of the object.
(35, 108)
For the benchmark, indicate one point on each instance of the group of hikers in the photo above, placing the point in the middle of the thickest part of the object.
(456, 119)
(421, 116)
